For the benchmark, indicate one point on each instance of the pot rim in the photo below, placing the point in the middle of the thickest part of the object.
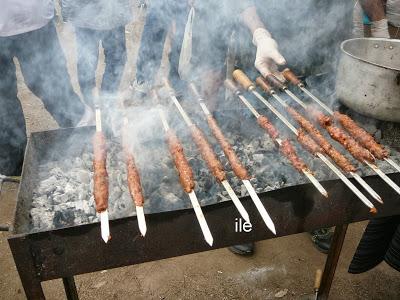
(395, 41)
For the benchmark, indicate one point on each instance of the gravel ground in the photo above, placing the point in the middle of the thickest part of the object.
(282, 267)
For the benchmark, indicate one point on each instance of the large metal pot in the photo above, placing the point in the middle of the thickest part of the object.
(368, 79)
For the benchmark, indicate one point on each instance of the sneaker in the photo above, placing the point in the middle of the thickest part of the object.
(243, 249)
(322, 239)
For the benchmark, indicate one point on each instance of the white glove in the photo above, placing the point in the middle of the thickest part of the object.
(358, 24)
(380, 29)
(393, 12)
(268, 57)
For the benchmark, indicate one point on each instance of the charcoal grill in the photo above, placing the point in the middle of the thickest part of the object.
(64, 252)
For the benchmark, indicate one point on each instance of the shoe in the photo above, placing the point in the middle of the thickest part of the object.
(244, 249)
(322, 239)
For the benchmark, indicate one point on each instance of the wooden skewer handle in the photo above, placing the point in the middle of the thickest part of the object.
(318, 277)
(264, 85)
(291, 77)
(230, 85)
(243, 80)
(271, 79)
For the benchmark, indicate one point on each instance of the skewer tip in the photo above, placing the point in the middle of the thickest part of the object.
(239, 206)
(260, 207)
(141, 220)
(105, 227)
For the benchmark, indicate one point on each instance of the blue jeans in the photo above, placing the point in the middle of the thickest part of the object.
(114, 45)
(160, 15)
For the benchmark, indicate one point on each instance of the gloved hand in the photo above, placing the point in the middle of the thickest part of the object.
(393, 12)
(380, 29)
(268, 57)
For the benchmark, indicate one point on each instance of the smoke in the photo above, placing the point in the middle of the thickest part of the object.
(308, 34)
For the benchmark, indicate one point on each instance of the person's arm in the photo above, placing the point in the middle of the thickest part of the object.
(375, 10)
(268, 57)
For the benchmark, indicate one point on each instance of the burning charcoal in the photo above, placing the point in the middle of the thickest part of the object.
(243, 191)
(258, 158)
(65, 218)
(222, 197)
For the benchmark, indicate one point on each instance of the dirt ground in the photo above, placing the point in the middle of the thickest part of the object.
(280, 267)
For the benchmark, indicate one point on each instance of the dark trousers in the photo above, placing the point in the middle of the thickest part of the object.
(160, 15)
(44, 69)
(114, 45)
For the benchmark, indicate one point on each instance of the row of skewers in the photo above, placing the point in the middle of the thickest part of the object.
(307, 135)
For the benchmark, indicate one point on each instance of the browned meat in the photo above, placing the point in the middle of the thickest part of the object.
(133, 177)
(318, 116)
(267, 125)
(335, 155)
(100, 180)
(308, 143)
(182, 165)
(290, 153)
(208, 154)
(134, 184)
(355, 149)
(237, 166)
(362, 136)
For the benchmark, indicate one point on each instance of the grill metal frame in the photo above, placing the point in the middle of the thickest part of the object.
(65, 252)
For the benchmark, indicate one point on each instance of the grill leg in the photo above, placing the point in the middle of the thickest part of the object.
(70, 288)
(331, 261)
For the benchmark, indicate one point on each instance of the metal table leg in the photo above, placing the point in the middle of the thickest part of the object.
(70, 288)
(331, 261)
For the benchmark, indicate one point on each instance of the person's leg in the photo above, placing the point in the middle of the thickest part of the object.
(114, 46)
(12, 122)
(152, 42)
(44, 68)
(87, 46)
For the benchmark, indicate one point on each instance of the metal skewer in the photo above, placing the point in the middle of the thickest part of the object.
(242, 77)
(373, 167)
(104, 222)
(253, 195)
(200, 217)
(139, 209)
(192, 195)
(306, 172)
(225, 183)
(330, 111)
